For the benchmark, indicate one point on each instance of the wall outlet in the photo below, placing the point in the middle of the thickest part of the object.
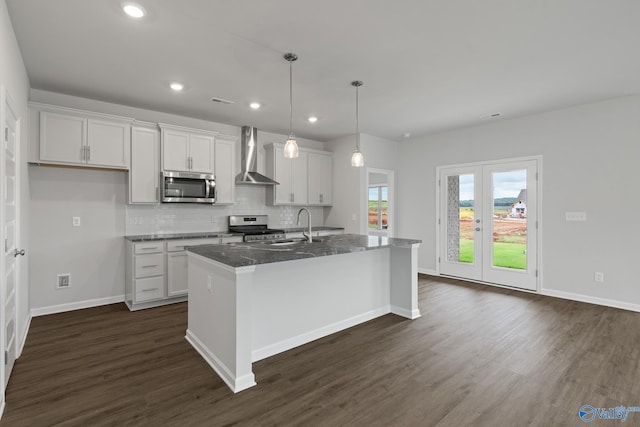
(575, 216)
(76, 221)
(598, 276)
(214, 219)
(353, 217)
(63, 281)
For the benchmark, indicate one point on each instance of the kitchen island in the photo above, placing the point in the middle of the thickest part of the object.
(249, 301)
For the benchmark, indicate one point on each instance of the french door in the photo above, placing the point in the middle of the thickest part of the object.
(488, 222)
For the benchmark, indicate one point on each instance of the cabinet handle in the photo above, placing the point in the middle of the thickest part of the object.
(83, 153)
(149, 290)
(148, 249)
(88, 152)
(149, 266)
(321, 198)
(157, 193)
(291, 198)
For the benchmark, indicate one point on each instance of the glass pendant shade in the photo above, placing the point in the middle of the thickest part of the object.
(357, 159)
(291, 148)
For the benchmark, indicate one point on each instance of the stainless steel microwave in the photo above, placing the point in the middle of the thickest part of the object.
(188, 187)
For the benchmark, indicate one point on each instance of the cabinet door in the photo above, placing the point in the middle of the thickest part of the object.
(62, 138)
(175, 151)
(225, 171)
(201, 153)
(177, 273)
(320, 179)
(108, 143)
(282, 174)
(144, 173)
(299, 179)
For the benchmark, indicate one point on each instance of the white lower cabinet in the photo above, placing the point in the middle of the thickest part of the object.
(177, 264)
(156, 272)
(177, 273)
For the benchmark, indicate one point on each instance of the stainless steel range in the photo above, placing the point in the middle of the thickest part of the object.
(254, 227)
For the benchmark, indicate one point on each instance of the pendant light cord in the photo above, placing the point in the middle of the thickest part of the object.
(357, 121)
(290, 97)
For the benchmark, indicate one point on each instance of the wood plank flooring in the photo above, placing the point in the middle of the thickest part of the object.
(478, 356)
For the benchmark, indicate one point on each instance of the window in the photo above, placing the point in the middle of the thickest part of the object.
(378, 205)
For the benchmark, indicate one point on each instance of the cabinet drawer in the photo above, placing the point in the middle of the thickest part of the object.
(148, 248)
(149, 265)
(179, 245)
(149, 289)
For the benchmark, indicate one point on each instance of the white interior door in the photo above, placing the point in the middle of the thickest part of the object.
(488, 223)
(10, 226)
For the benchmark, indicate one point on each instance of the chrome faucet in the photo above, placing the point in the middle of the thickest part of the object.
(307, 236)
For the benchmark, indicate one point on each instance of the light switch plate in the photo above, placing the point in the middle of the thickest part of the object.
(76, 221)
(575, 216)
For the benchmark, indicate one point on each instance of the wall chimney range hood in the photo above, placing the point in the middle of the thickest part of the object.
(249, 159)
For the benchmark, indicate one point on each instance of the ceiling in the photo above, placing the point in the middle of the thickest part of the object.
(427, 66)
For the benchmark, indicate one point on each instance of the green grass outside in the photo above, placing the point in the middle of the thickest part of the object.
(508, 255)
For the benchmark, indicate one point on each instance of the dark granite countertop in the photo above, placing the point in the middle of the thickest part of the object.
(318, 228)
(244, 254)
(177, 236)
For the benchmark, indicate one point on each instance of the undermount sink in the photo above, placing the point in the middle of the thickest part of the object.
(286, 242)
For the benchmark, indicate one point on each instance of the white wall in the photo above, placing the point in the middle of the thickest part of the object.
(13, 76)
(94, 252)
(590, 156)
(349, 183)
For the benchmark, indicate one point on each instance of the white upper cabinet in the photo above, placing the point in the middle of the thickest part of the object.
(108, 143)
(225, 161)
(300, 179)
(187, 150)
(82, 138)
(144, 174)
(320, 179)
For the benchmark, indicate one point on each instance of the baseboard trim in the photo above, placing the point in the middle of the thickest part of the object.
(23, 338)
(427, 271)
(61, 308)
(403, 312)
(307, 337)
(591, 300)
(235, 384)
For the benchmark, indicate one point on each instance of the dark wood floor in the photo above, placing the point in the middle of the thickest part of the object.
(479, 356)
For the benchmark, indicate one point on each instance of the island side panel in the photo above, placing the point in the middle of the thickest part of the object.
(219, 319)
(404, 281)
(296, 302)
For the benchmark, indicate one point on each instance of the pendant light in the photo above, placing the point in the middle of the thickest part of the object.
(291, 147)
(357, 159)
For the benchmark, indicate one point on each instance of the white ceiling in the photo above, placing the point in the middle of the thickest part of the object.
(427, 65)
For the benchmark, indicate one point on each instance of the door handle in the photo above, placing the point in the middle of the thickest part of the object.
(477, 228)
(18, 252)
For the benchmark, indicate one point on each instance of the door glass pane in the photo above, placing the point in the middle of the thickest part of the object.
(374, 207)
(384, 206)
(510, 219)
(460, 214)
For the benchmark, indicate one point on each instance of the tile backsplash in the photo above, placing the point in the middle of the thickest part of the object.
(187, 218)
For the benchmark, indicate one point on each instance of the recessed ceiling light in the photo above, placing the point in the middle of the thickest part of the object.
(176, 86)
(254, 105)
(133, 10)
(312, 119)
(406, 135)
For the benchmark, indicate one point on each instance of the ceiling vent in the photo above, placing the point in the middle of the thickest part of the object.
(221, 101)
